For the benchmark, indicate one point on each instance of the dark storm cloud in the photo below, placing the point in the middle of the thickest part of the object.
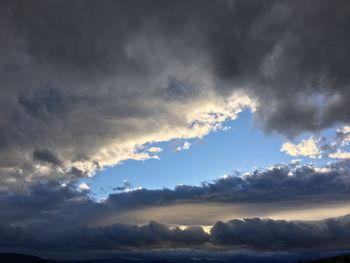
(292, 56)
(101, 78)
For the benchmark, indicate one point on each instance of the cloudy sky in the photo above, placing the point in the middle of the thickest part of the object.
(155, 125)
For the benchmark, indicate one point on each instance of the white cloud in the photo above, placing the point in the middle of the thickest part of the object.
(321, 147)
(184, 147)
(345, 129)
(84, 187)
(322, 169)
(155, 149)
(340, 155)
(307, 148)
(225, 176)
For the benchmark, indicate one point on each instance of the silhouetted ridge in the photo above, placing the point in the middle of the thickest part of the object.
(21, 258)
(337, 259)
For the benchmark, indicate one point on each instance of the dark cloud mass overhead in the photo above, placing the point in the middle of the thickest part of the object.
(101, 79)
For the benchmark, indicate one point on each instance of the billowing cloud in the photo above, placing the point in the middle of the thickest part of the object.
(104, 86)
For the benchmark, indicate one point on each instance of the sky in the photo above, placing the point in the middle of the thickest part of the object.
(237, 148)
(214, 127)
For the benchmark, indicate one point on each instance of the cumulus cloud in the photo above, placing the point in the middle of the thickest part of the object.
(308, 148)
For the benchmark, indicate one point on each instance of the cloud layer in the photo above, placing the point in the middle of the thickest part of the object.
(279, 188)
(252, 233)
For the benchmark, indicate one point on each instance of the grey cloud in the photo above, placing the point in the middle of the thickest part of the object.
(293, 57)
(47, 203)
(54, 215)
(46, 102)
(257, 45)
(280, 183)
(279, 234)
(82, 76)
(253, 233)
(114, 237)
(46, 155)
(60, 203)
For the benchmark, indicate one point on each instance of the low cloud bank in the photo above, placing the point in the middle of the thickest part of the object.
(252, 233)
(58, 203)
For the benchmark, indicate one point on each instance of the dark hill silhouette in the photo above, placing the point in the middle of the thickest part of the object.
(21, 258)
(337, 259)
